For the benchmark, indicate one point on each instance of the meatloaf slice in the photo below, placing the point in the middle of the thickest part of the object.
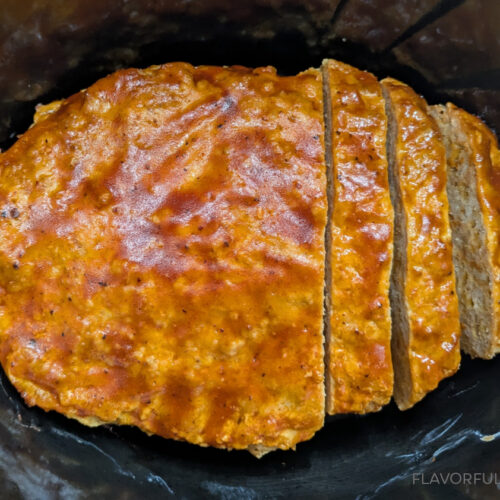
(425, 319)
(473, 191)
(359, 241)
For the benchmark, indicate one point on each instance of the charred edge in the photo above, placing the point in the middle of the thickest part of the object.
(327, 113)
(399, 312)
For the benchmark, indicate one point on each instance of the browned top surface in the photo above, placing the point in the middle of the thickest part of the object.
(486, 157)
(360, 367)
(161, 255)
(433, 346)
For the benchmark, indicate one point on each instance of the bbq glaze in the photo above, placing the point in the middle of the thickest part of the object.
(162, 255)
(359, 375)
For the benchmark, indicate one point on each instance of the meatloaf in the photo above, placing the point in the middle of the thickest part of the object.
(162, 255)
(178, 243)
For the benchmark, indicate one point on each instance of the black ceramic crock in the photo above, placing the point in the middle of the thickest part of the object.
(448, 446)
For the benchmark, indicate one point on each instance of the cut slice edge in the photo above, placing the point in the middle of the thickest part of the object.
(399, 313)
(473, 184)
(327, 119)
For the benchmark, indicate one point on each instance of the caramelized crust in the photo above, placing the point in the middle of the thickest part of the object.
(426, 327)
(162, 255)
(359, 371)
